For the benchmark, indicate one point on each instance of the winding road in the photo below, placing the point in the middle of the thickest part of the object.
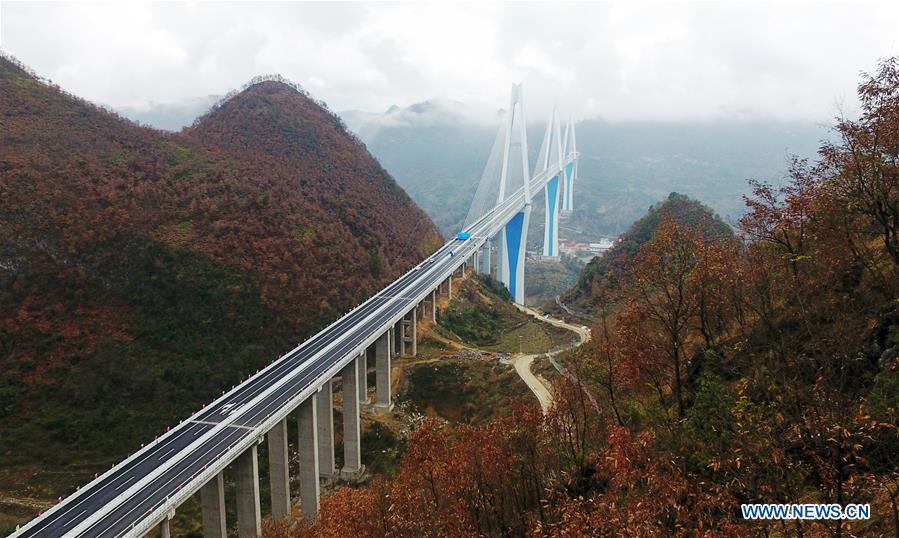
(523, 362)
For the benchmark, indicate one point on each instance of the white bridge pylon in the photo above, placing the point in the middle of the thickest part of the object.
(550, 156)
(570, 144)
(506, 173)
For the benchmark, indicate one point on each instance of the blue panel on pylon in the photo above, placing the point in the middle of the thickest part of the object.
(513, 241)
(552, 191)
(568, 201)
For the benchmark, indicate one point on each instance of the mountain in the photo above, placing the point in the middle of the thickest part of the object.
(435, 149)
(428, 113)
(625, 167)
(600, 276)
(141, 272)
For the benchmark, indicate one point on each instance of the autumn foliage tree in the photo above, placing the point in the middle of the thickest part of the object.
(724, 369)
(141, 271)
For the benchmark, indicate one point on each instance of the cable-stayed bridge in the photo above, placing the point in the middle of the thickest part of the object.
(143, 492)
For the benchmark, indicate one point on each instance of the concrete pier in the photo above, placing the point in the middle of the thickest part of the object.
(484, 259)
(390, 341)
(383, 403)
(165, 528)
(434, 306)
(398, 345)
(279, 470)
(352, 454)
(324, 402)
(401, 335)
(449, 287)
(414, 335)
(249, 513)
(212, 498)
(410, 333)
(363, 377)
(308, 455)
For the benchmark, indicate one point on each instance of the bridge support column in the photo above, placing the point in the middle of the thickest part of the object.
(391, 342)
(383, 403)
(279, 470)
(324, 412)
(551, 226)
(352, 457)
(363, 377)
(434, 306)
(513, 239)
(212, 498)
(308, 455)
(449, 287)
(484, 259)
(165, 528)
(408, 333)
(412, 337)
(397, 337)
(249, 513)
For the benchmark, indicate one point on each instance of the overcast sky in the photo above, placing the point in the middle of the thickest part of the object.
(672, 61)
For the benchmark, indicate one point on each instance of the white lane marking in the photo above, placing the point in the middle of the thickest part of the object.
(227, 426)
(110, 474)
(298, 378)
(120, 486)
(218, 444)
(278, 384)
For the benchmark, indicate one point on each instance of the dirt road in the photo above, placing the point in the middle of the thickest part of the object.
(522, 363)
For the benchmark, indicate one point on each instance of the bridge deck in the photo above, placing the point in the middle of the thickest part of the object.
(137, 493)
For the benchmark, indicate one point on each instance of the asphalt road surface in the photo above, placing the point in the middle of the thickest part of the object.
(112, 504)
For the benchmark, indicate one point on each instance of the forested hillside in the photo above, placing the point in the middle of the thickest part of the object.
(142, 272)
(600, 280)
(725, 369)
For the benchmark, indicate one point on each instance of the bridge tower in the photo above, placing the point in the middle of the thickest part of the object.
(570, 145)
(511, 248)
(551, 156)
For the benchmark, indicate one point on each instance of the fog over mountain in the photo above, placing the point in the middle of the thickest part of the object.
(437, 151)
(169, 116)
(437, 148)
(670, 61)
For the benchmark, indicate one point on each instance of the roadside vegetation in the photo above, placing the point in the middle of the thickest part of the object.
(482, 315)
(143, 272)
(757, 367)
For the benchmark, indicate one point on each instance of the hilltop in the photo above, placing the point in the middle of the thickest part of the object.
(599, 280)
(142, 272)
(732, 369)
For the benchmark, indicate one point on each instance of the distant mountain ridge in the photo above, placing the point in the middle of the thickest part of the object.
(142, 272)
(625, 167)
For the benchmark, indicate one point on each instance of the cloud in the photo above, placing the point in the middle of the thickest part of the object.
(671, 61)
